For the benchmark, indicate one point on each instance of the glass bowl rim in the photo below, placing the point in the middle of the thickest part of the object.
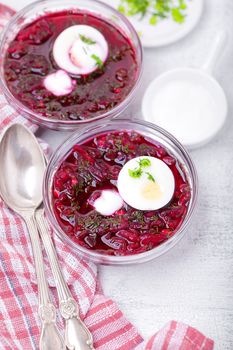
(71, 123)
(64, 148)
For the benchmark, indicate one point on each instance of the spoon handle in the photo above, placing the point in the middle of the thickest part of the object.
(77, 335)
(50, 337)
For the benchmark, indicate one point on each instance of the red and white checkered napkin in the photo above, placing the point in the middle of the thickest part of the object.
(19, 322)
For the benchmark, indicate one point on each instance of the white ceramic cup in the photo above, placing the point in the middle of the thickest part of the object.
(188, 135)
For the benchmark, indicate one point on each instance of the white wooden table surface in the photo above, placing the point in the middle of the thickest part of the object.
(193, 282)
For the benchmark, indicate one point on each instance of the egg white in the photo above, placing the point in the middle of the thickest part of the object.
(134, 191)
(68, 43)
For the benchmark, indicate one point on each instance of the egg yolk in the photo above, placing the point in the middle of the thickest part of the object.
(151, 191)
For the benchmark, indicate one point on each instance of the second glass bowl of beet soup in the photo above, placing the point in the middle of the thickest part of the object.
(89, 163)
(32, 47)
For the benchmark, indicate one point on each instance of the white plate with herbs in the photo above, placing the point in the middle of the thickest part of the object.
(160, 22)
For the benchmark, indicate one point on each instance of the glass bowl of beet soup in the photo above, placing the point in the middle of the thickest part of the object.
(69, 63)
(88, 164)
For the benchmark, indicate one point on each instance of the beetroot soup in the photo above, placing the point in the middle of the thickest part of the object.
(70, 65)
(93, 168)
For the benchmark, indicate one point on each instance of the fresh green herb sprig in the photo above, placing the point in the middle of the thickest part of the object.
(144, 162)
(157, 9)
(150, 177)
(87, 40)
(98, 60)
(137, 172)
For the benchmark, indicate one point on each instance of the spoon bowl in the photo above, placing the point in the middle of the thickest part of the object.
(21, 173)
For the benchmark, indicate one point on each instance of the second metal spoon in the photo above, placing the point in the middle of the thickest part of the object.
(77, 335)
(22, 170)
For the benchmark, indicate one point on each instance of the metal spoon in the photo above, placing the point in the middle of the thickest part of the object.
(22, 170)
(77, 335)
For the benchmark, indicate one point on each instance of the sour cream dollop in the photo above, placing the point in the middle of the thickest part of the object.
(59, 83)
(108, 202)
(80, 49)
(146, 183)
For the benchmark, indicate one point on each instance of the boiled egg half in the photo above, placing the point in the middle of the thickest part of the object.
(80, 49)
(146, 183)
